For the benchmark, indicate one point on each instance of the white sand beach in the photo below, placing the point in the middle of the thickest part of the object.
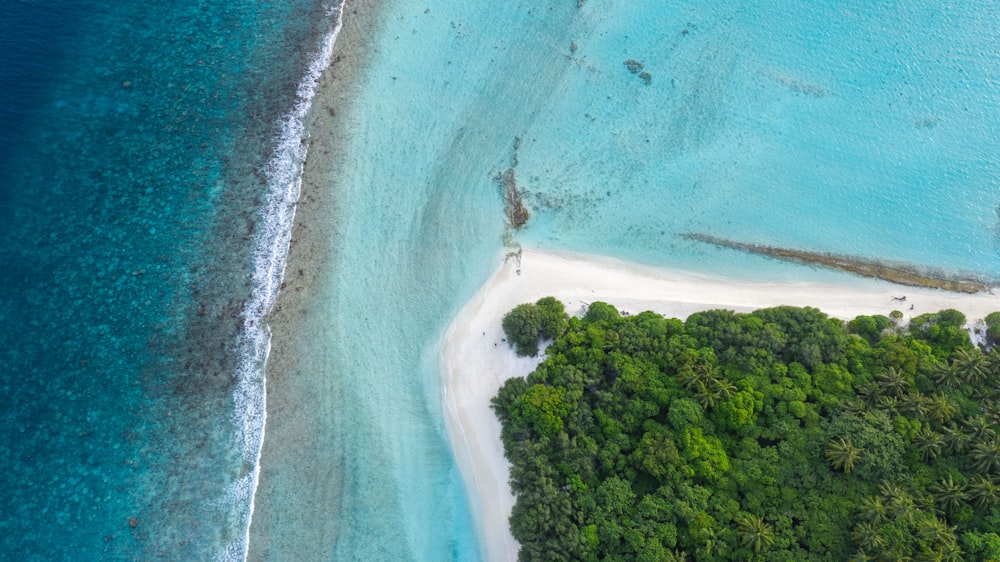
(475, 362)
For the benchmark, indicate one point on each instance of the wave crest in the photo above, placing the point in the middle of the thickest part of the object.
(284, 181)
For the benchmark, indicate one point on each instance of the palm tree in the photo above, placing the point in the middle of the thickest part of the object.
(676, 555)
(979, 428)
(951, 552)
(898, 501)
(701, 379)
(891, 491)
(842, 454)
(755, 533)
(725, 389)
(985, 454)
(972, 367)
(697, 373)
(868, 536)
(948, 494)
(854, 406)
(940, 409)
(689, 377)
(873, 509)
(986, 393)
(707, 396)
(870, 392)
(946, 375)
(991, 410)
(925, 503)
(936, 531)
(993, 364)
(955, 440)
(896, 555)
(983, 491)
(861, 556)
(929, 443)
(915, 403)
(887, 404)
(893, 382)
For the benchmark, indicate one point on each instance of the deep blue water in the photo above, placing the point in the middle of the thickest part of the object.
(132, 142)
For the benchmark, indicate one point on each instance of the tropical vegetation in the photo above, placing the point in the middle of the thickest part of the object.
(780, 435)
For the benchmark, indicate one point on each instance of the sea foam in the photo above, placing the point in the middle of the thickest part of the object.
(284, 181)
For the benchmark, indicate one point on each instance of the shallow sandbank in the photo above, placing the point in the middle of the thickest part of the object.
(475, 362)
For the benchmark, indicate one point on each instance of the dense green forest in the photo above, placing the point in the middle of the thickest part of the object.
(782, 434)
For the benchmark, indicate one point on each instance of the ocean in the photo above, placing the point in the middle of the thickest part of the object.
(138, 148)
(149, 157)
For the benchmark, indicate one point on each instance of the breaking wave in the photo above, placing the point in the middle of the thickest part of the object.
(284, 180)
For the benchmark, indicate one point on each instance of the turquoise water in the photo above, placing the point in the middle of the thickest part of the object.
(134, 141)
(147, 177)
(846, 128)
(853, 129)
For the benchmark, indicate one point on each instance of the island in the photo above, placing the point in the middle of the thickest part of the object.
(734, 423)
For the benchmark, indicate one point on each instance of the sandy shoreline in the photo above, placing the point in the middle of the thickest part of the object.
(474, 361)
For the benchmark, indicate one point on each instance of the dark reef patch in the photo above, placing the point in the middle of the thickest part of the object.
(896, 272)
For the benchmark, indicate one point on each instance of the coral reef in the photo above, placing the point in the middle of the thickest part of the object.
(896, 272)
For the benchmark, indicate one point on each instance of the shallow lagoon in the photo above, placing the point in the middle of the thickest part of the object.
(865, 130)
(844, 130)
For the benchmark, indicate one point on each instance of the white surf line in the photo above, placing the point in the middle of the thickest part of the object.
(284, 173)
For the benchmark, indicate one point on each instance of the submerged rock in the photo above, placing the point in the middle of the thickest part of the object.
(896, 272)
